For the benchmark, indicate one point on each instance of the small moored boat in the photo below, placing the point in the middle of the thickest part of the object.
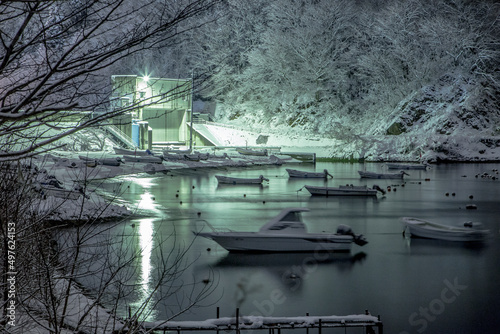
(401, 166)
(425, 229)
(308, 175)
(373, 175)
(102, 161)
(135, 152)
(240, 180)
(347, 190)
(48, 190)
(248, 151)
(286, 233)
(176, 151)
(144, 159)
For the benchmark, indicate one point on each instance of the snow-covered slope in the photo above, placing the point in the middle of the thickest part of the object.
(452, 106)
(457, 118)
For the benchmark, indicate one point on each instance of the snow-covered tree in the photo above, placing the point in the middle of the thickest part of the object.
(330, 65)
(56, 55)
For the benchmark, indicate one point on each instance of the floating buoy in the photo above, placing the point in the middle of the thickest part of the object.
(209, 249)
(427, 179)
(447, 194)
(244, 195)
(153, 198)
(263, 202)
(206, 280)
(180, 202)
(176, 195)
(193, 187)
(452, 194)
(471, 207)
(133, 225)
(471, 197)
(199, 214)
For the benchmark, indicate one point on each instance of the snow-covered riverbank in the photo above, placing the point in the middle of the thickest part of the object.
(76, 199)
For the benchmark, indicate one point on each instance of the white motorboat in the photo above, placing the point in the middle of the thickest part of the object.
(347, 190)
(286, 233)
(248, 151)
(308, 175)
(240, 180)
(402, 166)
(374, 175)
(425, 229)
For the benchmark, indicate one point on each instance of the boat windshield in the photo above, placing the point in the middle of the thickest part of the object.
(293, 216)
(288, 221)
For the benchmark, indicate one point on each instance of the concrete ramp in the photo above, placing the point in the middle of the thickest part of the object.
(203, 131)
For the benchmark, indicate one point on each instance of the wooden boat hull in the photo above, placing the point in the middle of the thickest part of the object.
(307, 175)
(372, 175)
(247, 151)
(124, 151)
(60, 193)
(406, 166)
(425, 229)
(174, 151)
(341, 191)
(144, 159)
(101, 161)
(235, 180)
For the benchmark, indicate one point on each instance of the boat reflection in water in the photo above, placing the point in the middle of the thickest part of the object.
(291, 269)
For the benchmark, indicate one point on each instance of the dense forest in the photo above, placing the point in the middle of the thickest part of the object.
(336, 66)
(294, 61)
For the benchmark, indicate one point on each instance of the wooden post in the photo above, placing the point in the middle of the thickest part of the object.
(218, 313)
(319, 328)
(307, 328)
(237, 320)
(380, 326)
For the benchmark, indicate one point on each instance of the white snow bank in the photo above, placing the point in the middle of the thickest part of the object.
(81, 314)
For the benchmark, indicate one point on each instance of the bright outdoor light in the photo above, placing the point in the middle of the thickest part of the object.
(146, 78)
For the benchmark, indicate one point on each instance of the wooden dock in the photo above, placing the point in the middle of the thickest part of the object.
(371, 324)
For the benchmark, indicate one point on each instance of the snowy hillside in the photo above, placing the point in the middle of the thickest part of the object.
(451, 106)
(455, 119)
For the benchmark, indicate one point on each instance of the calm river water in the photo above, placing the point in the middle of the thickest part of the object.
(415, 285)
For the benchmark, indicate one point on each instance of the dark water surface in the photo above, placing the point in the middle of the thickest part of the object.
(415, 285)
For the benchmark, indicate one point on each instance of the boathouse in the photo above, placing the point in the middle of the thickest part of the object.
(158, 110)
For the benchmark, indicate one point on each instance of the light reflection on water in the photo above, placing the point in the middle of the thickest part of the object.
(146, 244)
(393, 276)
